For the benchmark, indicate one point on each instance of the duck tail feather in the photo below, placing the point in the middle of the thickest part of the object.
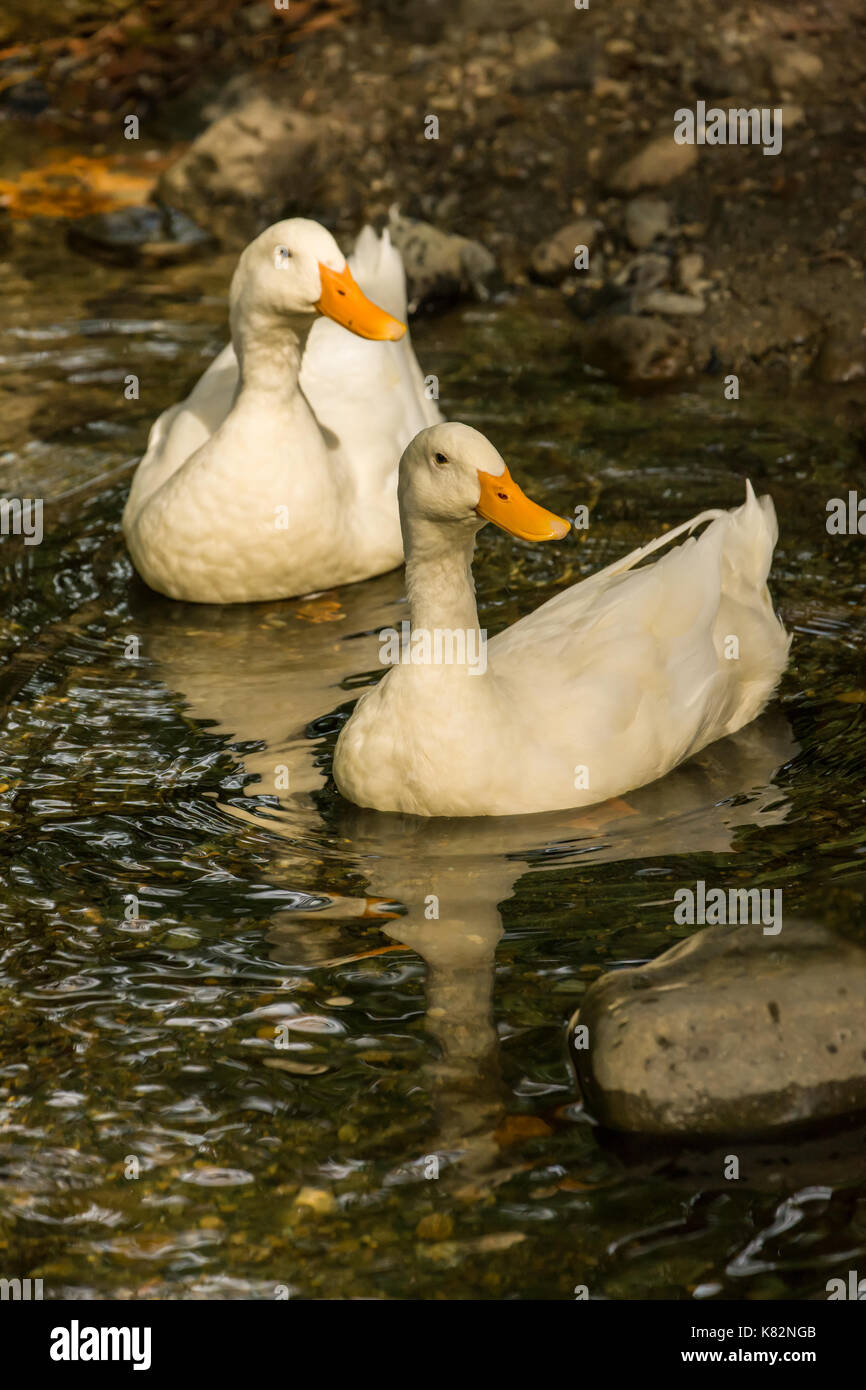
(378, 268)
(685, 528)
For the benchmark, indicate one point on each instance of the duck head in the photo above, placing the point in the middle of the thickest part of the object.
(451, 472)
(296, 268)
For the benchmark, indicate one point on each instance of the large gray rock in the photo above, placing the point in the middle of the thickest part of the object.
(729, 1032)
(250, 167)
(439, 265)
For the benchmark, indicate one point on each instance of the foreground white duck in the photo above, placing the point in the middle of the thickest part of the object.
(602, 689)
(277, 475)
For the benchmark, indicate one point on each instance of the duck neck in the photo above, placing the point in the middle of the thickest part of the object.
(269, 351)
(439, 582)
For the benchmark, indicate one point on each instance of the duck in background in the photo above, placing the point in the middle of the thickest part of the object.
(603, 689)
(276, 476)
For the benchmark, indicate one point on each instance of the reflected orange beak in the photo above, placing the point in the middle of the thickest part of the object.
(503, 503)
(344, 302)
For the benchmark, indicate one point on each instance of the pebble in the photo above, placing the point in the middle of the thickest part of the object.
(791, 66)
(557, 72)
(317, 1199)
(689, 269)
(669, 302)
(609, 87)
(642, 274)
(438, 1225)
(553, 258)
(645, 219)
(657, 164)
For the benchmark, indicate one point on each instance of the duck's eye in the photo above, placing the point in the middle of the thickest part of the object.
(440, 458)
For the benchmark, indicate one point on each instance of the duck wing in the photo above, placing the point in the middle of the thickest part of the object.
(182, 429)
(645, 651)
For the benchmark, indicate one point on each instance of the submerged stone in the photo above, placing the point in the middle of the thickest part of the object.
(555, 256)
(631, 348)
(729, 1032)
(159, 235)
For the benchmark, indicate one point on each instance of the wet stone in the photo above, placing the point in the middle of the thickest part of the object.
(29, 97)
(657, 164)
(144, 234)
(569, 71)
(730, 1032)
(250, 167)
(646, 219)
(841, 357)
(631, 348)
(792, 67)
(440, 266)
(554, 257)
(668, 302)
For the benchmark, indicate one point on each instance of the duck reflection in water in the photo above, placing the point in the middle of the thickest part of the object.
(271, 677)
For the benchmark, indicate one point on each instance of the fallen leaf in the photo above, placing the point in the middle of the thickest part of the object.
(74, 185)
(320, 610)
(517, 1128)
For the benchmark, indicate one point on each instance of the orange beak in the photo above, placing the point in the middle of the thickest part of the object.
(343, 302)
(503, 503)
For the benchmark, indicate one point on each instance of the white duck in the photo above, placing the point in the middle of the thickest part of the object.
(604, 688)
(277, 475)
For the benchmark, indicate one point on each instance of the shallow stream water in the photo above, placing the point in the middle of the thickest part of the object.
(168, 913)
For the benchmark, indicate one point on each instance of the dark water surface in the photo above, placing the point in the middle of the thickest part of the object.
(419, 1133)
